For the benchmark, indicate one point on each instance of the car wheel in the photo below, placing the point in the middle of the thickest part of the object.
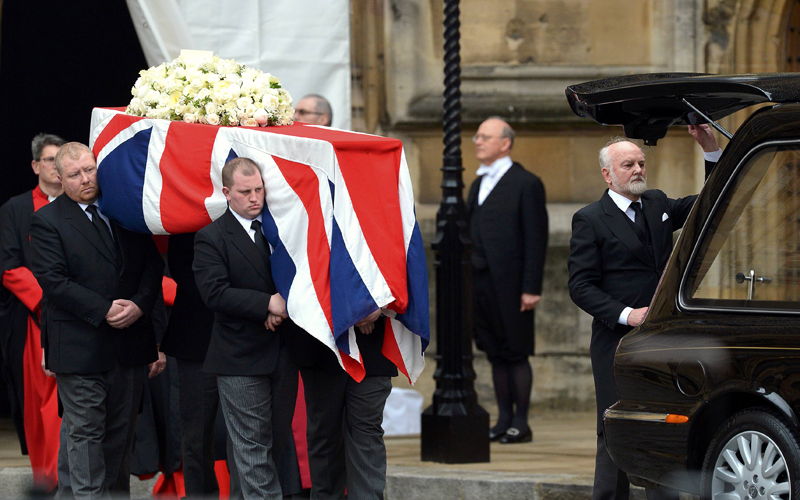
(754, 456)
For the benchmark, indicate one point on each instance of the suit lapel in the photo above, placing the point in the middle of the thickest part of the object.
(619, 224)
(241, 240)
(79, 220)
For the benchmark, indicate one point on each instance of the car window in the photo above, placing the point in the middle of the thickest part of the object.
(749, 256)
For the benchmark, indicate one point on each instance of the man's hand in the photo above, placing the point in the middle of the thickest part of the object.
(156, 367)
(277, 306)
(114, 310)
(130, 313)
(44, 369)
(704, 137)
(529, 301)
(272, 321)
(367, 325)
(636, 316)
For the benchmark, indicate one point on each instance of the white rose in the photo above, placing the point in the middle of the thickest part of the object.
(163, 100)
(163, 113)
(142, 91)
(151, 96)
(248, 122)
(270, 101)
(211, 78)
(250, 109)
(224, 94)
(212, 119)
(203, 93)
(261, 116)
(211, 108)
(190, 118)
(179, 72)
(243, 102)
(151, 113)
(235, 90)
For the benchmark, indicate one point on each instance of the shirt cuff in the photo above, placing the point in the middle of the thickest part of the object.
(713, 156)
(623, 316)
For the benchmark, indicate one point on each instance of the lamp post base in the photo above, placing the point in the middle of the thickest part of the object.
(455, 439)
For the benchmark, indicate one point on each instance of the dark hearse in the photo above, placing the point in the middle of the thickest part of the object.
(709, 383)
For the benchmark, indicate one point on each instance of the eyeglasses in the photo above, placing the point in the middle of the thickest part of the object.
(482, 137)
(50, 160)
(303, 112)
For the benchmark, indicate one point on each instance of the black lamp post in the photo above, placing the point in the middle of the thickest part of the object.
(455, 428)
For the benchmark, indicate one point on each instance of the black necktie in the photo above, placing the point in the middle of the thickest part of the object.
(258, 238)
(102, 228)
(640, 224)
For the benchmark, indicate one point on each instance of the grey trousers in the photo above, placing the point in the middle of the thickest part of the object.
(99, 419)
(345, 434)
(247, 407)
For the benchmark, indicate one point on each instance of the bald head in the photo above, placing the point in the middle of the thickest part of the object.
(313, 109)
(494, 140)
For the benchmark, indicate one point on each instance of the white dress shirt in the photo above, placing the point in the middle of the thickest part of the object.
(491, 175)
(246, 223)
(624, 204)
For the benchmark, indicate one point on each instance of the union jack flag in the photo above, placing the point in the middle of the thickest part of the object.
(340, 217)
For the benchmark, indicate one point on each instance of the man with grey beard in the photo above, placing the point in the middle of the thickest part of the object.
(618, 251)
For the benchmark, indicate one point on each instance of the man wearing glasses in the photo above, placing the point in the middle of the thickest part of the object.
(20, 299)
(315, 110)
(508, 226)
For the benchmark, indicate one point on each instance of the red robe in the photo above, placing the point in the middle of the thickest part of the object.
(42, 423)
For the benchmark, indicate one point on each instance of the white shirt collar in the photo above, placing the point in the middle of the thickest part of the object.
(246, 223)
(622, 202)
(497, 168)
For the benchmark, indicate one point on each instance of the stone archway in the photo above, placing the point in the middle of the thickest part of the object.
(748, 36)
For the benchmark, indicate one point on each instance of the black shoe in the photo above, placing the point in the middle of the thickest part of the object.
(514, 435)
(495, 433)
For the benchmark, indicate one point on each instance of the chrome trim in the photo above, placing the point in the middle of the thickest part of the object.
(703, 233)
(641, 416)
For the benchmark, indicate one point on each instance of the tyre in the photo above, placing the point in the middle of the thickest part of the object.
(754, 456)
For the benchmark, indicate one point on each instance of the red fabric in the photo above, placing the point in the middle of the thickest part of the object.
(170, 486)
(23, 285)
(391, 350)
(40, 413)
(42, 423)
(299, 429)
(39, 199)
(170, 288)
(182, 191)
(162, 242)
(223, 479)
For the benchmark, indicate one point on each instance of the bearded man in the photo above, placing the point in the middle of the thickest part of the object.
(618, 250)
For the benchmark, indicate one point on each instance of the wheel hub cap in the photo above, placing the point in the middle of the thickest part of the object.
(751, 466)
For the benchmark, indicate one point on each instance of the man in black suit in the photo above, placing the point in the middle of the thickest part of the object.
(508, 225)
(618, 251)
(232, 271)
(100, 283)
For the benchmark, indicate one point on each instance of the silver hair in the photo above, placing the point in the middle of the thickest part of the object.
(605, 158)
(41, 141)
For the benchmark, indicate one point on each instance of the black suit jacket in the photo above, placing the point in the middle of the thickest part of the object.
(189, 330)
(610, 269)
(513, 227)
(235, 281)
(80, 277)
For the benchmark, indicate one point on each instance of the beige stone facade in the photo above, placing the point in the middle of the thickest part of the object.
(518, 56)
